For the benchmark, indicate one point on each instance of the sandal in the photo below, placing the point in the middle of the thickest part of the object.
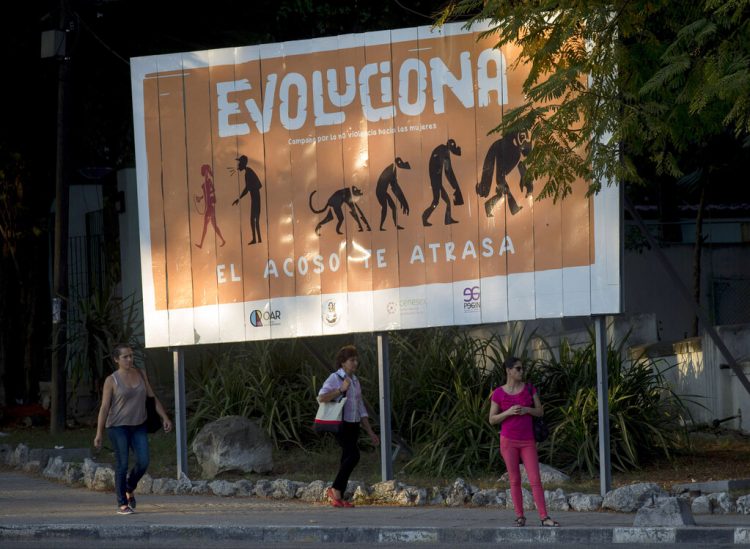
(520, 521)
(336, 502)
(547, 521)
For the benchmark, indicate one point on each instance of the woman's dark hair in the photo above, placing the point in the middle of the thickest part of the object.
(117, 350)
(510, 362)
(345, 353)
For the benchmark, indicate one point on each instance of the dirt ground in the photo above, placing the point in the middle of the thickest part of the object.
(716, 455)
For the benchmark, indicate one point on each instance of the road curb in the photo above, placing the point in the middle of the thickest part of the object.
(338, 534)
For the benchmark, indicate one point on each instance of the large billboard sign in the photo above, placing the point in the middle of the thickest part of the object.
(351, 184)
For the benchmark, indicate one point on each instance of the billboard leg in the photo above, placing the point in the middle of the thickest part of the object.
(179, 412)
(384, 379)
(602, 395)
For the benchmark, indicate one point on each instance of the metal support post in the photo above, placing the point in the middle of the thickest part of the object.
(602, 395)
(384, 379)
(180, 422)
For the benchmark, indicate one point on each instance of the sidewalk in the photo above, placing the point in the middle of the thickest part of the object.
(32, 508)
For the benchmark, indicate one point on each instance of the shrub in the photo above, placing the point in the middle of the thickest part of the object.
(441, 380)
(645, 414)
(440, 400)
(275, 381)
(97, 323)
(269, 381)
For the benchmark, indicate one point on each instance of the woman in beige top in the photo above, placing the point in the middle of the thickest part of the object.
(123, 413)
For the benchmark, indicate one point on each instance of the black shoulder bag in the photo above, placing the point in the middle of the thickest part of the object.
(541, 431)
(153, 421)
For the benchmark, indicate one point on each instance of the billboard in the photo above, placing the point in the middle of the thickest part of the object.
(351, 184)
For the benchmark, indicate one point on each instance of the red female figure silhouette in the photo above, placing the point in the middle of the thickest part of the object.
(209, 195)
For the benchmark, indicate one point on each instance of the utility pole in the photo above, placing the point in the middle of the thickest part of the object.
(58, 406)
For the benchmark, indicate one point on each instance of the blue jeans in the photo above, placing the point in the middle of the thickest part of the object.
(123, 438)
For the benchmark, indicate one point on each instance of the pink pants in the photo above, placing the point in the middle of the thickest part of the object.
(513, 452)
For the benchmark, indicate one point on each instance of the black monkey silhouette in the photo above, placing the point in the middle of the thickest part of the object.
(504, 155)
(252, 186)
(440, 161)
(388, 180)
(335, 205)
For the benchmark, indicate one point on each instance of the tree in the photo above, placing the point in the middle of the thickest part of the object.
(628, 91)
(24, 325)
(617, 85)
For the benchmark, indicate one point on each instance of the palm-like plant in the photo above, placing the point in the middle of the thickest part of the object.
(441, 380)
(441, 383)
(645, 414)
(99, 323)
(271, 381)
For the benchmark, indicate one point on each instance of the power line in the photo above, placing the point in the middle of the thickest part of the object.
(413, 11)
(102, 42)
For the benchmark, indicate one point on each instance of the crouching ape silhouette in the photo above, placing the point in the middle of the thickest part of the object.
(440, 161)
(503, 156)
(335, 205)
(388, 180)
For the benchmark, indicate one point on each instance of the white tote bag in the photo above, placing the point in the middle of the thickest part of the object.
(329, 417)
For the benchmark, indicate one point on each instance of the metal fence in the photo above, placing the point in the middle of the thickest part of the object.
(86, 264)
(731, 300)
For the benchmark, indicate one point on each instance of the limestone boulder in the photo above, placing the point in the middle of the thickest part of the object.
(556, 500)
(412, 496)
(315, 491)
(232, 444)
(629, 499)
(585, 502)
(721, 503)
(223, 488)
(104, 479)
(490, 497)
(664, 511)
(458, 493)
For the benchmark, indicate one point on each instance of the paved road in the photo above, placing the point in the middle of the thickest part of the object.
(96, 544)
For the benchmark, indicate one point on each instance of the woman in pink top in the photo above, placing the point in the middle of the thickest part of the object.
(512, 406)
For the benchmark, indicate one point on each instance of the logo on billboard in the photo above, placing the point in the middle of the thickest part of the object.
(330, 315)
(472, 299)
(407, 306)
(260, 318)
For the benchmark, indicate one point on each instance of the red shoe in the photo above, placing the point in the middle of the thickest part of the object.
(347, 503)
(336, 502)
